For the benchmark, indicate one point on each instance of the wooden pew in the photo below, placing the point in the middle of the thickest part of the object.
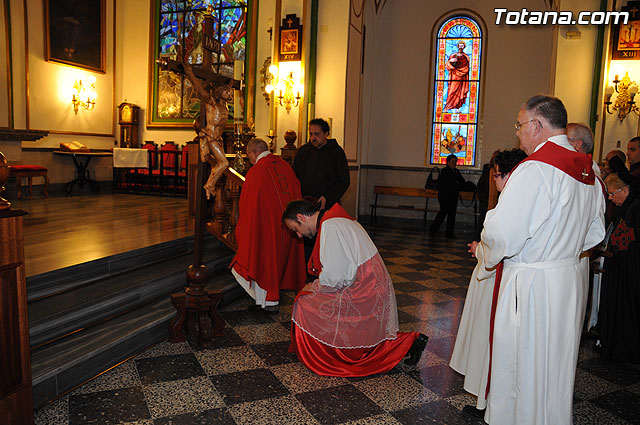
(417, 193)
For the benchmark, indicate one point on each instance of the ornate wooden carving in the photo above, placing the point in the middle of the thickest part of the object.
(16, 397)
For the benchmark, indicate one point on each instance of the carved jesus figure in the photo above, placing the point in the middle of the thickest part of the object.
(211, 147)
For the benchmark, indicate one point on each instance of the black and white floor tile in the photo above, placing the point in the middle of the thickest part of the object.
(250, 378)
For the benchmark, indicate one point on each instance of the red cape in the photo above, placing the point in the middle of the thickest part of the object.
(314, 267)
(267, 251)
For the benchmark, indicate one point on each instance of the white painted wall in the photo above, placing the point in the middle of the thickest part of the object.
(333, 25)
(4, 71)
(575, 63)
(50, 89)
(399, 66)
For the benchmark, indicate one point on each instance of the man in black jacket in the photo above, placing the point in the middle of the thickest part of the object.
(450, 181)
(321, 166)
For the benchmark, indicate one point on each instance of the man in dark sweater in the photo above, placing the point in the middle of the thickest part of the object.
(321, 166)
(450, 182)
(633, 156)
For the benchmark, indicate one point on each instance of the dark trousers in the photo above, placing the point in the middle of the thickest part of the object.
(482, 214)
(448, 206)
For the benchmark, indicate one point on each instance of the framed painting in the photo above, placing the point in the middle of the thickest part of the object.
(625, 39)
(75, 33)
(290, 39)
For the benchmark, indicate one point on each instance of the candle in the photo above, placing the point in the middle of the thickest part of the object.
(633, 90)
(238, 70)
(616, 77)
(608, 90)
(237, 108)
(271, 133)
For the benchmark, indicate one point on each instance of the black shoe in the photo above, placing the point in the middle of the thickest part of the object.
(271, 309)
(473, 412)
(415, 352)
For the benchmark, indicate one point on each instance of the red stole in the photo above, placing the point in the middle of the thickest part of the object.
(575, 164)
(314, 267)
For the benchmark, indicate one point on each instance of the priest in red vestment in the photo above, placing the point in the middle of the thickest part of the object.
(345, 323)
(269, 257)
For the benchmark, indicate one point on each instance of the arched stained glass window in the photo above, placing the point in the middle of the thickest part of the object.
(175, 101)
(456, 89)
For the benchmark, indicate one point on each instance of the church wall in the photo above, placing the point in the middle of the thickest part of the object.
(50, 90)
(5, 83)
(18, 64)
(333, 24)
(575, 63)
(42, 94)
(397, 86)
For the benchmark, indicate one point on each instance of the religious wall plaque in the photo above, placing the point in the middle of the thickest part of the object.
(290, 39)
(625, 39)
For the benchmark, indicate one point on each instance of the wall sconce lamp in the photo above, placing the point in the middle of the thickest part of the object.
(286, 88)
(624, 102)
(84, 94)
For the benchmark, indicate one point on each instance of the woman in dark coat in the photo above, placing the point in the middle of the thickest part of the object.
(619, 315)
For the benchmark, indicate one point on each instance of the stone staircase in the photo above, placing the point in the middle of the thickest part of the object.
(87, 318)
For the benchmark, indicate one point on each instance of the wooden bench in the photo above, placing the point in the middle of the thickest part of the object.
(417, 193)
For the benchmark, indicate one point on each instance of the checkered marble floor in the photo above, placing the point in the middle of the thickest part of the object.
(248, 377)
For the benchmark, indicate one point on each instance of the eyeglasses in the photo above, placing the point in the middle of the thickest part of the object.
(614, 192)
(518, 125)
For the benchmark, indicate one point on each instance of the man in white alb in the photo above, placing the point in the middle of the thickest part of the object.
(534, 237)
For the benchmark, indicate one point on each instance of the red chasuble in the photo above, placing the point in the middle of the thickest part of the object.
(267, 251)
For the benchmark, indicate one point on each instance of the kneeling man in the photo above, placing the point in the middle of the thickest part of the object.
(345, 323)
(269, 258)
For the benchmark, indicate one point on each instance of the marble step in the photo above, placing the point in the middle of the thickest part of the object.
(67, 363)
(84, 306)
(68, 278)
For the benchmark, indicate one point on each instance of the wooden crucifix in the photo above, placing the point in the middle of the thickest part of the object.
(197, 303)
(214, 91)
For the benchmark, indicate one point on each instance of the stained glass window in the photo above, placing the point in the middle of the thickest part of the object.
(457, 89)
(175, 100)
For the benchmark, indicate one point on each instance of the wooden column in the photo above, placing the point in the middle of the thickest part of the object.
(16, 397)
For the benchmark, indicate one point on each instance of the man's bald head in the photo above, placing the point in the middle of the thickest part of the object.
(254, 148)
(580, 137)
(257, 145)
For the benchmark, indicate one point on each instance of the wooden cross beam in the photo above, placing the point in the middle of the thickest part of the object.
(210, 46)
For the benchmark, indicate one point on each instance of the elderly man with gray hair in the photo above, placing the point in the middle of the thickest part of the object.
(534, 238)
(581, 138)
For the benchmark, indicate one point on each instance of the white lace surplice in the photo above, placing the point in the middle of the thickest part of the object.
(353, 304)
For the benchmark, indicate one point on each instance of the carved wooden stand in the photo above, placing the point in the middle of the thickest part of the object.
(197, 303)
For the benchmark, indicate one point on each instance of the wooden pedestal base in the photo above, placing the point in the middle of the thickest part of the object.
(199, 306)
